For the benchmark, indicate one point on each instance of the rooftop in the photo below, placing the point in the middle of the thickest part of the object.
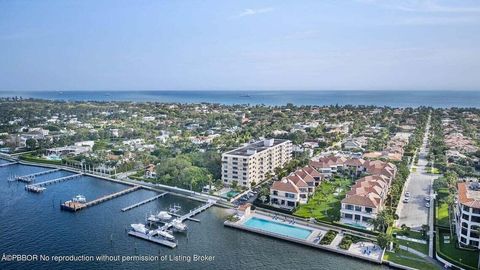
(255, 147)
(469, 194)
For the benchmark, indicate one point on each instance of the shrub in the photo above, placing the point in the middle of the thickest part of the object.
(328, 238)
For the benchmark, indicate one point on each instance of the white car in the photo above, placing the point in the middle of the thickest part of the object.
(427, 198)
(406, 200)
(407, 194)
(427, 205)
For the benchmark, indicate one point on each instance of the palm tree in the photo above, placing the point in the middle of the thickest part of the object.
(450, 200)
(381, 222)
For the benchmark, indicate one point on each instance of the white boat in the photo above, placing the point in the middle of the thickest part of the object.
(79, 199)
(165, 235)
(164, 215)
(139, 228)
(178, 225)
(153, 218)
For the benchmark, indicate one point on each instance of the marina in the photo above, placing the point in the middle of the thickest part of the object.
(143, 202)
(164, 236)
(57, 180)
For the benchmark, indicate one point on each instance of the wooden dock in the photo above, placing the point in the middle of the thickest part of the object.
(33, 175)
(57, 180)
(144, 202)
(76, 206)
(156, 240)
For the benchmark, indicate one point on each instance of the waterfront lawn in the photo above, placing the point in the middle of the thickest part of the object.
(408, 259)
(463, 257)
(324, 204)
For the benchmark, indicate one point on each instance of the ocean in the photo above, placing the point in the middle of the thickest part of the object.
(436, 99)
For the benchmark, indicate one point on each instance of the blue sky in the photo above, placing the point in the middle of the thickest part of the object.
(230, 45)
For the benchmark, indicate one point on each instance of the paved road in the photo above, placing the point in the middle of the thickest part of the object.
(414, 214)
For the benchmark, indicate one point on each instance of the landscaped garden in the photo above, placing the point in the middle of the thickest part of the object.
(325, 204)
(328, 238)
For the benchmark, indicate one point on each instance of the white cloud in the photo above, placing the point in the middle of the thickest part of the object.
(252, 12)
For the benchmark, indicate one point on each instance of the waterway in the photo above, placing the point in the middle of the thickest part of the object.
(34, 224)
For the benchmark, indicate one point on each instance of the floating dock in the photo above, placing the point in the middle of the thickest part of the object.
(76, 206)
(177, 215)
(144, 202)
(34, 188)
(153, 239)
(7, 164)
(57, 180)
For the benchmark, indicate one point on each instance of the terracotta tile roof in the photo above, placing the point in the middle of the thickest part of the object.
(367, 201)
(465, 199)
(285, 185)
(297, 181)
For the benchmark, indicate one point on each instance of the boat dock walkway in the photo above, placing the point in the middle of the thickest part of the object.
(190, 214)
(33, 175)
(57, 180)
(144, 202)
(177, 215)
(76, 206)
(153, 239)
(7, 164)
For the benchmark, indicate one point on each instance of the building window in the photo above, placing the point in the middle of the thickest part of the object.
(349, 207)
(466, 208)
(275, 193)
(358, 208)
(368, 209)
(349, 216)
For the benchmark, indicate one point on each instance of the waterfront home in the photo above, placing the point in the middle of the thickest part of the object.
(467, 214)
(284, 194)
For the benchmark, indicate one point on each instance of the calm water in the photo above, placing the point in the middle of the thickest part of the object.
(379, 98)
(34, 224)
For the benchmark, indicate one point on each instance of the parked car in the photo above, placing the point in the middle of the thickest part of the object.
(427, 205)
(427, 198)
(406, 200)
(407, 194)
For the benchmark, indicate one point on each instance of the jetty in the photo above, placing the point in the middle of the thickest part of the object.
(77, 206)
(144, 202)
(7, 164)
(157, 240)
(189, 215)
(25, 178)
(57, 180)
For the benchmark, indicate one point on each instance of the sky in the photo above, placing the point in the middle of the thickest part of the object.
(239, 45)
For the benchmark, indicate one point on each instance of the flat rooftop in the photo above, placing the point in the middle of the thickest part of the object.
(259, 146)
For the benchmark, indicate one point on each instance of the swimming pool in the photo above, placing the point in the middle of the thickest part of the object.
(278, 228)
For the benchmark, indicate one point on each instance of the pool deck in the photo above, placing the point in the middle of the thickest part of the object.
(363, 250)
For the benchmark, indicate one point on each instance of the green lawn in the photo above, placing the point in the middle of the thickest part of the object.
(408, 259)
(324, 205)
(411, 234)
(466, 258)
(442, 208)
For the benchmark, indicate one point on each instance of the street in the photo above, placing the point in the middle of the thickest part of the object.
(414, 214)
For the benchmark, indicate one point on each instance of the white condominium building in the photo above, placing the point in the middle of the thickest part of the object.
(251, 163)
(467, 214)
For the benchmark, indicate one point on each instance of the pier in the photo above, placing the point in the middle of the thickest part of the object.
(25, 178)
(57, 180)
(153, 239)
(144, 202)
(190, 214)
(7, 164)
(76, 206)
